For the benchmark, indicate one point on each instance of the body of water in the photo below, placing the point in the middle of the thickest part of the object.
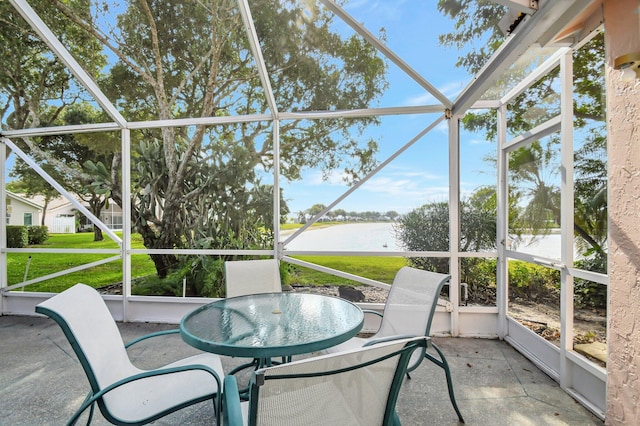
(381, 237)
(347, 237)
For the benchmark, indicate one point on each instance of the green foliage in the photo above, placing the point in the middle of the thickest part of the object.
(480, 276)
(474, 20)
(37, 234)
(527, 282)
(17, 236)
(154, 286)
(533, 282)
(200, 275)
(427, 229)
(41, 264)
(476, 28)
(198, 182)
(534, 170)
(31, 77)
(377, 268)
(205, 274)
(589, 294)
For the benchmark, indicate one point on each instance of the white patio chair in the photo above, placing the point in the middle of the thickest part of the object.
(124, 393)
(244, 277)
(409, 311)
(252, 277)
(356, 387)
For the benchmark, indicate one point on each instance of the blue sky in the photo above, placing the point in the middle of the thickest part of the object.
(420, 174)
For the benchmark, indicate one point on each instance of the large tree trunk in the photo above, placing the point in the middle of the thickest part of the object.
(96, 205)
(164, 263)
(44, 210)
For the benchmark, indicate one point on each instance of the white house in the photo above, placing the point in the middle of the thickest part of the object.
(21, 211)
(60, 216)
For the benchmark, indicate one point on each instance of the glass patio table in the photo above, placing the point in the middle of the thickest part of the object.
(262, 326)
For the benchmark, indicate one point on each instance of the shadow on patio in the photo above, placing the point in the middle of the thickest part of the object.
(41, 381)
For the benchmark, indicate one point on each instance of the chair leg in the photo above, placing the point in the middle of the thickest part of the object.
(217, 409)
(442, 362)
(253, 364)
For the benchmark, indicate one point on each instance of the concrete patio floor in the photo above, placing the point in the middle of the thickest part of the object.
(42, 383)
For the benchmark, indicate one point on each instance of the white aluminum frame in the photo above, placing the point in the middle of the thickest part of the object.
(577, 376)
(581, 378)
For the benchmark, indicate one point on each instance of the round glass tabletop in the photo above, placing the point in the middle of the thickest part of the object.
(271, 324)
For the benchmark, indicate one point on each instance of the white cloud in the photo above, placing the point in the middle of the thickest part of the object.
(409, 185)
(390, 10)
(450, 90)
(395, 188)
(335, 177)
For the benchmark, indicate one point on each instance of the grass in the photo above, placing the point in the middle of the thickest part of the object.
(41, 264)
(373, 267)
(289, 226)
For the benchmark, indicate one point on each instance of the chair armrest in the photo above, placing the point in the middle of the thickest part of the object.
(150, 335)
(369, 311)
(160, 372)
(231, 411)
(390, 338)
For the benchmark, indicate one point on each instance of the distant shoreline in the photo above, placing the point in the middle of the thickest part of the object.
(323, 225)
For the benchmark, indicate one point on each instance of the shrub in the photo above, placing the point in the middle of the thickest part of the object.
(527, 281)
(17, 236)
(37, 234)
(588, 293)
(204, 276)
(154, 286)
(533, 282)
(480, 276)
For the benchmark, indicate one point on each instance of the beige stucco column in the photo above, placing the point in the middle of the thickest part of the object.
(622, 27)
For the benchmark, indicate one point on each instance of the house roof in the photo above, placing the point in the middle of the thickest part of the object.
(54, 203)
(24, 200)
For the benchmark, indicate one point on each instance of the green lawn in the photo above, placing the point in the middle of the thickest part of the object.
(374, 267)
(42, 264)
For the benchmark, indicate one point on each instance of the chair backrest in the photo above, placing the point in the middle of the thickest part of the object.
(252, 277)
(355, 387)
(411, 302)
(92, 333)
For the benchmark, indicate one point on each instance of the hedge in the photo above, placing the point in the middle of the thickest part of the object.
(17, 236)
(38, 234)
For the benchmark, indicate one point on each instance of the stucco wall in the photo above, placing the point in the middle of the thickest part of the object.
(623, 117)
(18, 209)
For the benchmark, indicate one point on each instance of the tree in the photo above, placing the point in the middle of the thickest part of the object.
(39, 91)
(71, 153)
(534, 165)
(392, 214)
(36, 87)
(31, 184)
(315, 209)
(340, 214)
(192, 185)
(477, 229)
(475, 21)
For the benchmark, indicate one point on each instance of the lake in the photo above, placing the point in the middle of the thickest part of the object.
(380, 236)
(348, 237)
